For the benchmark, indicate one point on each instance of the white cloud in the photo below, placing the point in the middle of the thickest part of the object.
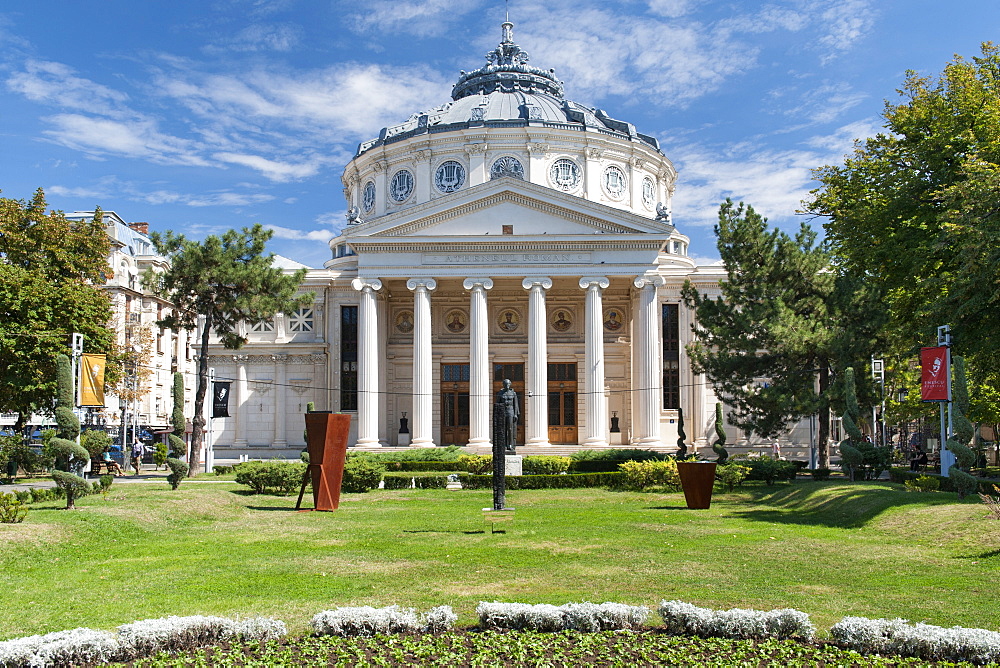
(672, 8)
(134, 139)
(300, 235)
(279, 37)
(845, 22)
(823, 104)
(416, 17)
(351, 99)
(774, 182)
(273, 169)
(57, 84)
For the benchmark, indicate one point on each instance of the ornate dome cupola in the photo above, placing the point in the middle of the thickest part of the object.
(507, 71)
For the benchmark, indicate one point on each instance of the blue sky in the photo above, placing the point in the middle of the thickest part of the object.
(202, 116)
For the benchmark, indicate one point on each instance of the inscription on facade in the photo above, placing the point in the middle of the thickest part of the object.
(507, 258)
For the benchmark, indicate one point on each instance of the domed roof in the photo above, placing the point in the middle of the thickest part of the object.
(507, 92)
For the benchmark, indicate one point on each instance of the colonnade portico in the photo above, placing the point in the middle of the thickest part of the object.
(645, 399)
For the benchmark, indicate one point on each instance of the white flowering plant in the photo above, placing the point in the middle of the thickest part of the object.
(897, 636)
(369, 621)
(684, 618)
(584, 616)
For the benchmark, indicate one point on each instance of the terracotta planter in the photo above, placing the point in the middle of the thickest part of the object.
(327, 442)
(697, 480)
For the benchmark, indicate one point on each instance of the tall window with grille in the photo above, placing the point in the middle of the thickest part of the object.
(671, 356)
(348, 358)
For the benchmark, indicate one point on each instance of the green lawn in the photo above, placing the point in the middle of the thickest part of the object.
(829, 549)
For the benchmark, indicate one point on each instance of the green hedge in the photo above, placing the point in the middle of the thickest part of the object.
(439, 454)
(278, 477)
(570, 480)
(769, 470)
(406, 481)
(901, 475)
(423, 466)
(545, 464)
(594, 466)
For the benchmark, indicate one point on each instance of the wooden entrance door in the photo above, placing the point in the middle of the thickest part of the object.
(562, 403)
(454, 404)
(515, 372)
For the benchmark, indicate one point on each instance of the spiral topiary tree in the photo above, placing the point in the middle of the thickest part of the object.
(682, 448)
(965, 457)
(67, 424)
(851, 456)
(720, 432)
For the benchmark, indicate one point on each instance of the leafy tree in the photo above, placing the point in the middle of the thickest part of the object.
(50, 272)
(227, 281)
(784, 322)
(916, 209)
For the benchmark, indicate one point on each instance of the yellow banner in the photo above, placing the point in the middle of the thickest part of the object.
(92, 380)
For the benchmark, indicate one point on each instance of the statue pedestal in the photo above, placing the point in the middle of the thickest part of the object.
(513, 464)
(404, 439)
(615, 438)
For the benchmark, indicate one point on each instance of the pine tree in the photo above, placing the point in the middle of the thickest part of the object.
(226, 280)
(784, 321)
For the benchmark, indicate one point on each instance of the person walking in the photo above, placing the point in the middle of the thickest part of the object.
(138, 450)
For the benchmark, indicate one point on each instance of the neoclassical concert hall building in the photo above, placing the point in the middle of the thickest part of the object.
(508, 233)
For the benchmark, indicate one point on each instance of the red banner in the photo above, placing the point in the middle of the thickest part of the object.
(934, 374)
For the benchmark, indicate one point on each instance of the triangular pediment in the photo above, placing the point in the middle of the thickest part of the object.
(529, 209)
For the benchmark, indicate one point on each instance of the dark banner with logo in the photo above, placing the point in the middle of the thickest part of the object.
(220, 399)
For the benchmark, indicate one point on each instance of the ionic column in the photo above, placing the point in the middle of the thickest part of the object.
(240, 439)
(647, 396)
(480, 396)
(594, 403)
(368, 403)
(423, 436)
(280, 387)
(536, 428)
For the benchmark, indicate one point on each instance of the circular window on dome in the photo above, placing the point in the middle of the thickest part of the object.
(648, 192)
(449, 177)
(564, 174)
(507, 166)
(614, 182)
(368, 197)
(401, 186)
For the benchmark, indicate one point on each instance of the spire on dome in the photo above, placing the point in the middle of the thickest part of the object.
(507, 69)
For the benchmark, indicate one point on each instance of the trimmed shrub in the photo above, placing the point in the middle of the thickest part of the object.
(178, 471)
(222, 470)
(545, 465)
(567, 481)
(594, 465)
(896, 636)
(368, 621)
(271, 477)
(684, 618)
(618, 455)
(73, 485)
(12, 510)
(584, 616)
(650, 474)
(769, 470)
(406, 481)
(450, 453)
(67, 423)
(924, 483)
(901, 475)
(360, 476)
(68, 456)
(95, 442)
(177, 448)
(104, 483)
(731, 474)
(820, 474)
(423, 466)
(962, 481)
(476, 464)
